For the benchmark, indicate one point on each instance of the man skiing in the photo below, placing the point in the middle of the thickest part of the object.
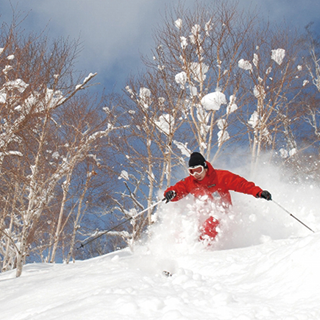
(204, 181)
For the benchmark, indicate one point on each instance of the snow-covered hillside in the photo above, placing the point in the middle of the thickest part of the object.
(250, 274)
(276, 280)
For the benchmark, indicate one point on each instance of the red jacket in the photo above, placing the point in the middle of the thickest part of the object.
(220, 181)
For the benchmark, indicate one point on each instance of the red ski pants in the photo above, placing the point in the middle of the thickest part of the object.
(209, 229)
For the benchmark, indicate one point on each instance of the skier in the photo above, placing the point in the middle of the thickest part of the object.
(204, 180)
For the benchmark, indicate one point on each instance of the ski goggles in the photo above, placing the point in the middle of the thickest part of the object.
(196, 170)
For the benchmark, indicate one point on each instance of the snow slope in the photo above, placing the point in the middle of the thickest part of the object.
(265, 265)
(276, 279)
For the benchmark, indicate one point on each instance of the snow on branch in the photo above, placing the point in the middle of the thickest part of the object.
(223, 134)
(145, 97)
(165, 124)
(245, 65)
(278, 55)
(77, 88)
(181, 79)
(213, 101)
(18, 84)
(199, 71)
(69, 162)
(183, 147)
(11, 153)
(178, 23)
(259, 127)
(232, 106)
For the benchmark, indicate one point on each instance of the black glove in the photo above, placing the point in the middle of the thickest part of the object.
(264, 195)
(169, 195)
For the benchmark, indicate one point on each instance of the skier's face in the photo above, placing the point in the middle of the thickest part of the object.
(201, 175)
(198, 172)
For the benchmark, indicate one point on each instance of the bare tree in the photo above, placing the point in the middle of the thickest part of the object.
(313, 63)
(37, 159)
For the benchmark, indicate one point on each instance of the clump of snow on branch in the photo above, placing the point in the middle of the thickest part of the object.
(86, 79)
(195, 34)
(184, 42)
(181, 79)
(278, 55)
(55, 155)
(255, 123)
(18, 84)
(198, 71)
(35, 102)
(223, 134)
(51, 100)
(213, 101)
(208, 27)
(145, 97)
(293, 152)
(255, 60)
(259, 92)
(183, 147)
(130, 91)
(193, 91)
(161, 101)
(203, 118)
(3, 97)
(165, 123)
(254, 120)
(232, 106)
(124, 175)
(245, 65)
(11, 153)
(178, 23)
(268, 71)
(305, 82)
(6, 69)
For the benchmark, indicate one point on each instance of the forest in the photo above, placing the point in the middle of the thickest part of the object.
(75, 162)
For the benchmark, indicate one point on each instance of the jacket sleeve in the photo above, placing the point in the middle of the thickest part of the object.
(236, 183)
(180, 189)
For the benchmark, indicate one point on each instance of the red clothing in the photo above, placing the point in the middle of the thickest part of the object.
(209, 229)
(220, 181)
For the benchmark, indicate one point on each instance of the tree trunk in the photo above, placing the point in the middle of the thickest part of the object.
(65, 188)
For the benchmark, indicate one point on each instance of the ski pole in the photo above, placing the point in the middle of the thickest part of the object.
(292, 215)
(118, 225)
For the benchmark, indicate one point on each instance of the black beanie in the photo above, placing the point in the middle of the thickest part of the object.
(197, 159)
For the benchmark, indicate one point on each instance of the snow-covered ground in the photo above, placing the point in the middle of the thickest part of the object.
(276, 280)
(265, 265)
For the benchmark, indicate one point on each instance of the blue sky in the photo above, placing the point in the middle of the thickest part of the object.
(115, 33)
